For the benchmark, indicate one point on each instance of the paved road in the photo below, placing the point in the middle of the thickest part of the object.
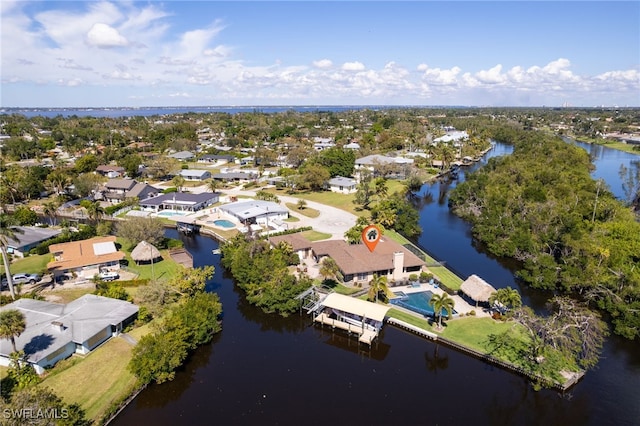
(332, 220)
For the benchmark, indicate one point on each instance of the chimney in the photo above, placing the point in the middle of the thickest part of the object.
(58, 326)
(398, 265)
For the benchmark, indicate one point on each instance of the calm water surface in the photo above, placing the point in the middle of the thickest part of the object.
(266, 370)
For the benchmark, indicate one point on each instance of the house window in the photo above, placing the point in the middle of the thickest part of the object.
(361, 277)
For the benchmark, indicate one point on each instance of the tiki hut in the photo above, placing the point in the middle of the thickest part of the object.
(145, 253)
(477, 289)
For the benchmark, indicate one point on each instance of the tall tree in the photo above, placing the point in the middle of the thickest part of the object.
(7, 232)
(12, 324)
(440, 302)
(364, 192)
(50, 209)
(178, 181)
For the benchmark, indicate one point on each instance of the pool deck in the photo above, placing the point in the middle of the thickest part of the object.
(460, 305)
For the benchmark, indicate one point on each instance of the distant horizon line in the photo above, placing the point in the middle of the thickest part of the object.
(33, 108)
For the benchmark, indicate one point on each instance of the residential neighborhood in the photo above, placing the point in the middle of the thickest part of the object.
(90, 263)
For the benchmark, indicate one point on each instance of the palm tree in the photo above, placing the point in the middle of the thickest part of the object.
(50, 209)
(440, 302)
(508, 298)
(213, 185)
(12, 324)
(330, 269)
(94, 210)
(380, 188)
(7, 232)
(376, 286)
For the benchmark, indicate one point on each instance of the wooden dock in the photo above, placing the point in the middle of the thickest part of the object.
(365, 335)
(182, 256)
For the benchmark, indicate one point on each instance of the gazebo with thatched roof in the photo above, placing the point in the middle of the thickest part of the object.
(477, 289)
(145, 253)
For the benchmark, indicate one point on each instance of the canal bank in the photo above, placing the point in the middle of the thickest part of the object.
(260, 369)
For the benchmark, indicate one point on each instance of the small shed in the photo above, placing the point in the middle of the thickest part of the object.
(145, 253)
(477, 289)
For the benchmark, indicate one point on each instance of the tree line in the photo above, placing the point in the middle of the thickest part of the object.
(571, 235)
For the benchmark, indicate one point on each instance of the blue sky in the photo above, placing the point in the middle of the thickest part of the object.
(181, 53)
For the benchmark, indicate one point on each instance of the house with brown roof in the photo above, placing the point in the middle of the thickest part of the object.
(117, 190)
(356, 262)
(110, 171)
(85, 257)
(298, 243)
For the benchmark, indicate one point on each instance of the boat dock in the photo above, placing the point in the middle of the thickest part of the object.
(182, 256)
(365, 335)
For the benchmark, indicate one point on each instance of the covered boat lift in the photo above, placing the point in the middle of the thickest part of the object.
(353, 315)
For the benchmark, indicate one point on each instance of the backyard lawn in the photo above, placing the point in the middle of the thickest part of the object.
(448, 278)
(35, 264)
(474, 332)
(96, 381)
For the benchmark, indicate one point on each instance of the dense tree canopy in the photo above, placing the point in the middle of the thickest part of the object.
(262, 272)
(541, 206)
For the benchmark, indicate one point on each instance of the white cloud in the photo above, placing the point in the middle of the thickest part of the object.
(353, 66)
(323, 63)
(58, 47)
(441, 77)
(103, 36)
(491, 76)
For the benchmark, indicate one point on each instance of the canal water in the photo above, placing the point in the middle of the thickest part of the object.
(267, 370)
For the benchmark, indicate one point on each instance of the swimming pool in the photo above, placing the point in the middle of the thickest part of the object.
(417, 302)
(169, 213)
(224, 223)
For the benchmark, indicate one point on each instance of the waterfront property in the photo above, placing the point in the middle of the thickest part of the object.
(256, 211)
(55, 331)
(357, 263)
(117, 190)
(86, 257)
(351, 314)
(180, 201)
(417, 302)
(477, 289)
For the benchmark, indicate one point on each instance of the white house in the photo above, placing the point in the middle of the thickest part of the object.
(342, 185)
(256, 211)
(55, 331)
(194, 174)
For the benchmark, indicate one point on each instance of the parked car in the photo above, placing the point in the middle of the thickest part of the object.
(26, 278)
(106, 275)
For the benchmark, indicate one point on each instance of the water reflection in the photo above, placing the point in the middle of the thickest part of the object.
(434, 361)
(338, 339)
(263, 369)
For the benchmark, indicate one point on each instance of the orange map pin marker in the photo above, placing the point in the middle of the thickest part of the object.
(371, 236)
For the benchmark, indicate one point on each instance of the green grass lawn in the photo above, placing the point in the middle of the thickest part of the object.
(307, 211)
(35, 264)
(315, 235)
(410, 318)
(68, 293)
(97, 380)
(474, 332)
(292, 219)
(447, 277)
(162, 270)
